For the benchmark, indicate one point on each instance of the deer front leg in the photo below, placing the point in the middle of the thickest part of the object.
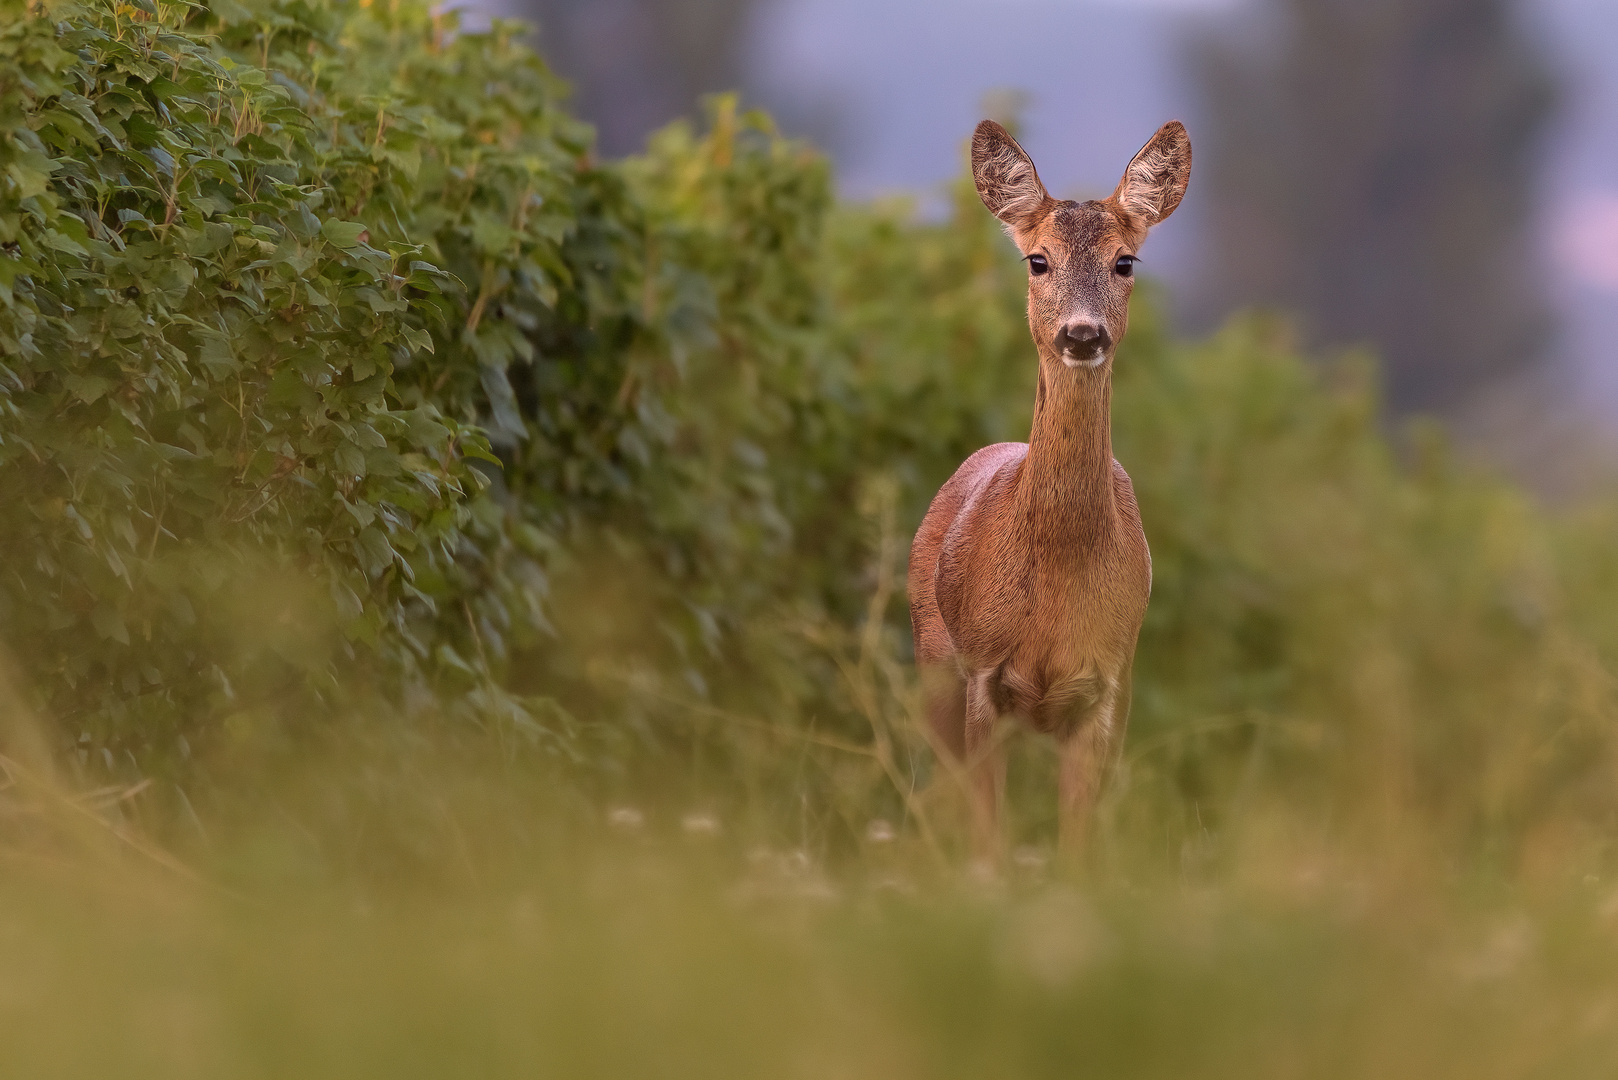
(985, 765)
(1086, 754)
(943, 695)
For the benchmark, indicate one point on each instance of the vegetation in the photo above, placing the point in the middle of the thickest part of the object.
(453, 593)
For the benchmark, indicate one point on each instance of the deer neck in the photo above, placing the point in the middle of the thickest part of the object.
(1064, 492)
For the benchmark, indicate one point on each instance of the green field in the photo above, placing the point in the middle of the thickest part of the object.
(442, 915)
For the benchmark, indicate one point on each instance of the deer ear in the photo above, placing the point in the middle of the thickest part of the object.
(1004, 173)
(1155, 181)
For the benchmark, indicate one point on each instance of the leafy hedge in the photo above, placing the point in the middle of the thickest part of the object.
(269, 268)
(199, 339)
(278, 271)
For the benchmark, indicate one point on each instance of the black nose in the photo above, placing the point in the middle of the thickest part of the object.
(1083, 339)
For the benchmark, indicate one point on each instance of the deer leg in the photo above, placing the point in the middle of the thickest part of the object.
(985, 764)
(943, 695)
(1086, 753)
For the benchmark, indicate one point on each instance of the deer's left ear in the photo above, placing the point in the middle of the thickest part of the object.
(1155, 181)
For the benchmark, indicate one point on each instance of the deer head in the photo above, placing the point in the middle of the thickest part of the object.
(1081, 256)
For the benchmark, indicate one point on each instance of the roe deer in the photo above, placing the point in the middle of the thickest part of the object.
(1029, 575)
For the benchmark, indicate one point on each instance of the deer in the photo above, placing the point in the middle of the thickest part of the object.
(1030, 574)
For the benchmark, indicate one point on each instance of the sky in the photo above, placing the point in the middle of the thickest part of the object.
(1579, 193)
(895, 87)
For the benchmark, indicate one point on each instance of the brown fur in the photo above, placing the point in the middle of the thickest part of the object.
(1030, 574)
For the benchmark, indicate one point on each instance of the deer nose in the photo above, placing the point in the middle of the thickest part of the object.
(1083, 339)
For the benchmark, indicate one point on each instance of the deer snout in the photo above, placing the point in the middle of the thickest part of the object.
(1082, 343)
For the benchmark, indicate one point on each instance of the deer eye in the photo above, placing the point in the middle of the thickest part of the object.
(1037, 265)
(1125, 266)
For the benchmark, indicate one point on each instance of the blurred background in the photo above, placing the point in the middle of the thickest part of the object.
(1433, 179)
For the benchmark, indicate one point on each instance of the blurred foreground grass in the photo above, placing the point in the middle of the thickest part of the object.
(435, 910)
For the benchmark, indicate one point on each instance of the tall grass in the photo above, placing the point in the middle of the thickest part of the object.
(423, 907)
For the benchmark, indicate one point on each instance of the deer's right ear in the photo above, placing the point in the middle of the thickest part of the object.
(1004, 173)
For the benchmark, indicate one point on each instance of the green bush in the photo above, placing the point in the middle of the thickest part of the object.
(198, 407)
(337, 246)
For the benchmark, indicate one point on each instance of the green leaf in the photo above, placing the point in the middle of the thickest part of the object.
(303, 224)
(109, 623)
(87, 388)
(374, 551)
(30, 173)
(417, 339)
(344, 234)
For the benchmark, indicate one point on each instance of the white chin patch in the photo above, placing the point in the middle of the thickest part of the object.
(1096, 361)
